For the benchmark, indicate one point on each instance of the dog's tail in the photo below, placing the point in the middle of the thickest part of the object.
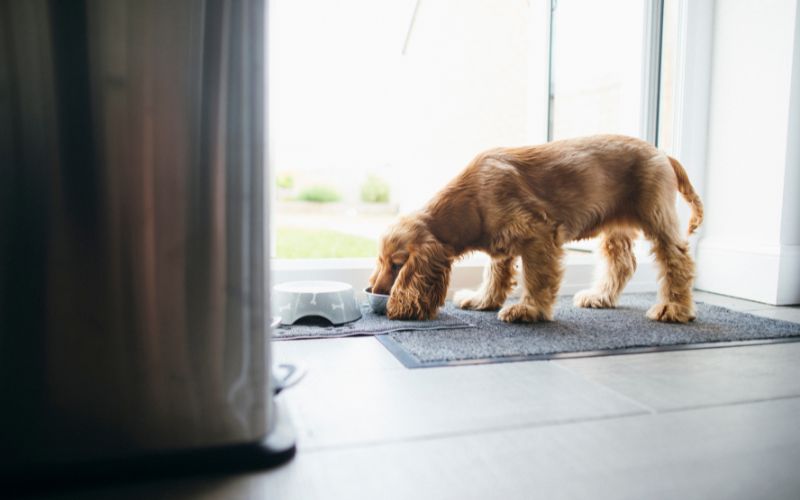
(688, 193)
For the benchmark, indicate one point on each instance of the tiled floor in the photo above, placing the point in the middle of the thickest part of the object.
(711, 423)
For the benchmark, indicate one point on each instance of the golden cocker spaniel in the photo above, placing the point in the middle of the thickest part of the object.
(527, 202)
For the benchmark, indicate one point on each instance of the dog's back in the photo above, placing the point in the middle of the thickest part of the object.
(590, 182)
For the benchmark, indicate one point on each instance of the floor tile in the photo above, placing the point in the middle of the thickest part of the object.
(703, 377)
(364, 354)
(732, 303)
(347, 407)
(782, 313)
(733, 452)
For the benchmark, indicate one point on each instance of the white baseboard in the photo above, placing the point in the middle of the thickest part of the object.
(579, 272)
(765, 273)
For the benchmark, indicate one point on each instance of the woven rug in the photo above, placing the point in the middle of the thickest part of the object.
(578, 332)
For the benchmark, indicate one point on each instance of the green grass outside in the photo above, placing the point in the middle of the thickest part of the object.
(301, 243)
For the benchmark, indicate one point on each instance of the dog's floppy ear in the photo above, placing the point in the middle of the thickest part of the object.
(421, 286)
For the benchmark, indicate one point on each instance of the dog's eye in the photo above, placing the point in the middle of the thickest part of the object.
(396, 267)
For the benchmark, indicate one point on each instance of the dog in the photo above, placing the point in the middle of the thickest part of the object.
(527, 202)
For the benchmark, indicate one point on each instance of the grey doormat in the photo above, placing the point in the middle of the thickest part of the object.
(369, 324)
(578, 332)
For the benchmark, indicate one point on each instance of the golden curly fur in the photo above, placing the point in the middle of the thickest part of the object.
(527, 202)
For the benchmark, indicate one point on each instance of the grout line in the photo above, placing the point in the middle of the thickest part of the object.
(755, 312)
(608, 389)
(740, 305)
(730, 403)
(384, 359)
(544, 424)
(470, 432)
(678, 409)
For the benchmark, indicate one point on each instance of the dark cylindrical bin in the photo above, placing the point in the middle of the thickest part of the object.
(133, 231)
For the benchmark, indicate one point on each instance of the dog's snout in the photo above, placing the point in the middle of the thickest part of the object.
(383, 284)
(382, 288)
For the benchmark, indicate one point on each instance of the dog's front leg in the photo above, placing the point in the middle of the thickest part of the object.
(498, 280)
(541, 278)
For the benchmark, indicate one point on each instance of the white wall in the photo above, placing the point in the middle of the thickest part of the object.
(750, 240)
(790, 220)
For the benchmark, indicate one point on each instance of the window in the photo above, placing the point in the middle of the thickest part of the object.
(375, 105)
(597, 67)
(605, 71)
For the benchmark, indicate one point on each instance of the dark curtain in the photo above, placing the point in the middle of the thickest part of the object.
(132, 226)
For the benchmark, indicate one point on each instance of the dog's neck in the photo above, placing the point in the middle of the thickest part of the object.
(454, 219)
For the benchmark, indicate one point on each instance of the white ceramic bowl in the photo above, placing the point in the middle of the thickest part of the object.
(332, 300)
(377, 301)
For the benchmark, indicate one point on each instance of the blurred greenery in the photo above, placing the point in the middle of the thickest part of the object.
(375, 190)
(302, 243)
(284, 180)
(319, 194)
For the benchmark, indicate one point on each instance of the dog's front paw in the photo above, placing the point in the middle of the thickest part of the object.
(671, 312)
(468, 299)
(593, 299)
(524, 313)
(465, 299)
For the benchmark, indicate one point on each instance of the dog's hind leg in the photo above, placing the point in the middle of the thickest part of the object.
(498, 280)
(676, 273)
(542, 272)
(613, 272)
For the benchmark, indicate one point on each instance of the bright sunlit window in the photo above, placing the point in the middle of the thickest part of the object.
(597, 67)
(376, 104)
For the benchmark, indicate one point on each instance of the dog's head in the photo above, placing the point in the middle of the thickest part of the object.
(413, 269)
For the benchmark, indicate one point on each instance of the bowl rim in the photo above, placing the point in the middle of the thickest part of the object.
(368, 291)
